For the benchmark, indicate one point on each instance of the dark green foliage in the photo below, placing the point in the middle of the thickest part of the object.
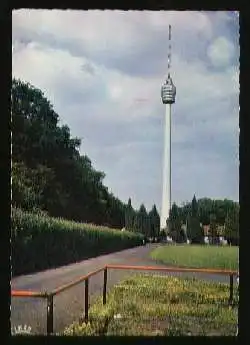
(194, 207)
(213, 213)
(175, 223)
(162, 235)
(40, 242)
(183, 235)
(140, 221)
(232, 226)
(129, 216)
(48, 171)
(50, 177)
(206, 207)
(214, 229)
(154, 220)
(147, 223)
(23, 190)
(194, 230)
(30, 187)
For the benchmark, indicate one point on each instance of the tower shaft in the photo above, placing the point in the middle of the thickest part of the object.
(168, 92)
(166, 185)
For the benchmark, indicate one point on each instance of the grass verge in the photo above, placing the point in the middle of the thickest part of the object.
(159, 305)
(197, 256)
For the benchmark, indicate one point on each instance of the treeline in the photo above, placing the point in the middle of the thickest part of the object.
(50, 174)
(147, 223)
(220, 216)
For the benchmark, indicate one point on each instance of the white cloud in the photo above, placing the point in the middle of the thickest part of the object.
(221, 52)
(103, 72)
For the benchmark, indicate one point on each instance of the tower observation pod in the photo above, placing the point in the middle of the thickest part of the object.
(168, 93)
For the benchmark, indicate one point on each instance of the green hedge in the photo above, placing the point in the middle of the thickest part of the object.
(40, 242)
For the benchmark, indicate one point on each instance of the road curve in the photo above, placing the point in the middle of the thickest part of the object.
(69, 305)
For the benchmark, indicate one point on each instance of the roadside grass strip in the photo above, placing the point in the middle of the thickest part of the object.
(198, 256)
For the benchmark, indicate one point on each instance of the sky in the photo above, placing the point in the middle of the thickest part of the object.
(103, 71)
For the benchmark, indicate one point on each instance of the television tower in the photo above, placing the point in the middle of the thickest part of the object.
(168, 92)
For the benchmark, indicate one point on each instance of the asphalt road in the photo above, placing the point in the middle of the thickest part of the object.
(69, 305)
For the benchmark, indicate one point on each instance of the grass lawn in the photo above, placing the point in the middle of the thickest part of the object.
(197, 256)
(159, 305)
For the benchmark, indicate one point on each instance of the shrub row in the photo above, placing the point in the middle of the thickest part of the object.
(40, 242)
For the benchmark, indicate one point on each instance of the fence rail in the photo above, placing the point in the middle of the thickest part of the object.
(25, 293)
(76, 282)
(50, 295)
(174, 269)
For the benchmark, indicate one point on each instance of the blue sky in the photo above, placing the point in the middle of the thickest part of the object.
(103, 71)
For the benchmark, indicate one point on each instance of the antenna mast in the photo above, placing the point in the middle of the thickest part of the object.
(169, 50)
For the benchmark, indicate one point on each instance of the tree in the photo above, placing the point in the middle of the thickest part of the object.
(214, 229)
(194, 207)
(129, 216)
(148, 227)
(194, 230)
(203, 211)
(23, 192)
(38, 141)
(232, 226)
(33, 120)
(207, 207)
(162, 234)
(140, 221)
(185, 211)
(51, 173)
(73, 189)
(220, 212)
(175, 224)
(136, 222)
(154, 220)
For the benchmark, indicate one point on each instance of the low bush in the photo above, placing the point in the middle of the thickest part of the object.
(40, 242)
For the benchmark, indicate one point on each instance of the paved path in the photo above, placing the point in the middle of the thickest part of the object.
(69, 305)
